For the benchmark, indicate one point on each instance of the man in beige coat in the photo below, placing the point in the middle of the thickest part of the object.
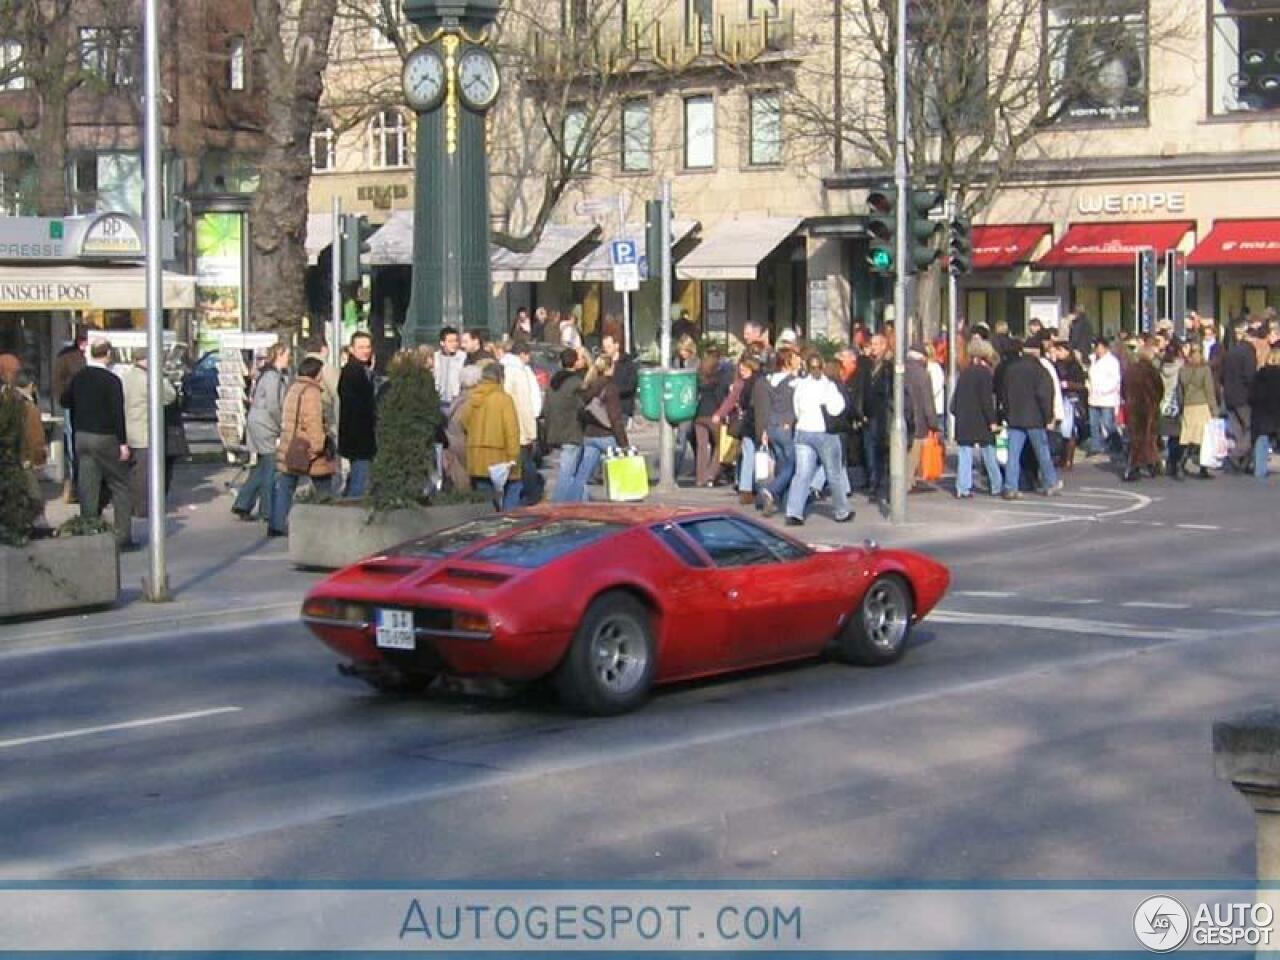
(137, 428)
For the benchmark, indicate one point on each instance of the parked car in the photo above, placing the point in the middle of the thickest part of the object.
(200, 388)
(608, 601)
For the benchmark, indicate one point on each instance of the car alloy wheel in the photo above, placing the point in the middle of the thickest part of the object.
(885, 614)
(619, 654)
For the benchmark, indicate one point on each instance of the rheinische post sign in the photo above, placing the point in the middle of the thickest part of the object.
(99, 236)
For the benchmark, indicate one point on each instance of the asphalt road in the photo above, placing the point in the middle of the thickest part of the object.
(1052, 721)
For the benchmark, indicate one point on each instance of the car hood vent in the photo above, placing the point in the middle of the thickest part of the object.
(392, 569)
(476, 579)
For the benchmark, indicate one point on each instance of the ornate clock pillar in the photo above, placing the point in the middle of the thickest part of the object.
(451, 81)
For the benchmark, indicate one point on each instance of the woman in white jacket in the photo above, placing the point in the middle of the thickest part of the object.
(815, 397)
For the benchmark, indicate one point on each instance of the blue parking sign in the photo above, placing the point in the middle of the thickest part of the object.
(622, 253)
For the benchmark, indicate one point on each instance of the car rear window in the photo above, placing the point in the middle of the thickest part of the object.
(446, 543)
(550, 541)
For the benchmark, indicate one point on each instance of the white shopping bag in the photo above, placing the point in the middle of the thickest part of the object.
(1213, 445)
(764, 466)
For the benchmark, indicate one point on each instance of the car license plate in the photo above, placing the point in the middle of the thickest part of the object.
(395, 629)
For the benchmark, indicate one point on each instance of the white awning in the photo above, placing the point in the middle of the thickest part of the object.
(556, 243)
(391, 245)
(319, 236)
(596, 267)
(30, 287)
(734, 249)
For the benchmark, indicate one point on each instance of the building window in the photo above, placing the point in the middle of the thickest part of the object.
(1244, 55)
(766, 128)
(11, 72)
(389, 140)
(236, 64)
(323, 149)
(699, 132)
(759, 9)
(110, 54)
(1098, 71)
(576, 146)
(699, 23)
(637, 136)
(949, 55)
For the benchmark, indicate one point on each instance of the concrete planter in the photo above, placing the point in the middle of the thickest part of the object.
(64, 573)
(332, 535)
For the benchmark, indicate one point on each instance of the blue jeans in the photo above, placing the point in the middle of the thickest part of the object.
(570, 457)
(810, 449)
(358, 479)
(873, 457)
(259, 487)
(593, 451)
(1102, 427)
(964, 468)
(783, 447)
(747, 466)
(510, 493)
(282, 501)
(1261, 453)
(1039, 439)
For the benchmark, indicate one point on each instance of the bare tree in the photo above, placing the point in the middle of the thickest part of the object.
(290, 45)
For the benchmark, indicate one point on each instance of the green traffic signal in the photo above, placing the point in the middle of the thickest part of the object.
(882, 226)
(881, 260)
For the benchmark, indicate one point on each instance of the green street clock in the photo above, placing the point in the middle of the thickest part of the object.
(451, 82)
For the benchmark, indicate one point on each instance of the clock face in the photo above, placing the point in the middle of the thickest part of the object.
(423, 79)
(478, 78)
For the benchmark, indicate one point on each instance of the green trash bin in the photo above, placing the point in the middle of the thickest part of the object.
(650, 393)
(680, 395)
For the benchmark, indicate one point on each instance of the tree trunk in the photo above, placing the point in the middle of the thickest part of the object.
(48, 144)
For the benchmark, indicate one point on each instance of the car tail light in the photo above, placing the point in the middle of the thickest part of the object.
(335, 611)
(470, 622)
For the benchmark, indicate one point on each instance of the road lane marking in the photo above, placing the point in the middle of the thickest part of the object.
(1197, 526)
(1057, 504)
(1262, 614)
(113, 727)
(988, 594)
(1099, 628)
(1154, 605)
(1081, 602)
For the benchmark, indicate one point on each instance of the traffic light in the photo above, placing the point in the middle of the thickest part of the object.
(882, 226)
(959, 245)
(922, 233)
(356, 232)
(653, 238)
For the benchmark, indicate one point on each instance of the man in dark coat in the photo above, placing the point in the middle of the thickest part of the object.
(358, 414)
(1238, 369)
(625, 376)
(974, 407)
(69, 362)
(563, 417)
(1081, 333)
(922, 417)
(95, 397)
(873, 386)
(1143, 391)
(1027, 394)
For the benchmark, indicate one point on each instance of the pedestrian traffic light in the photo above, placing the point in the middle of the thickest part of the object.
(653, 237)
(882, 226)
(959, 245)
(356, 232)
(922, 232)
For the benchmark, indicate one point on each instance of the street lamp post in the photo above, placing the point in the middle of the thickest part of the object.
(156, 586)
(898, 428)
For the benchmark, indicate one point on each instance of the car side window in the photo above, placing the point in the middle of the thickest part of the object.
(727, 543)
(782, 549)
(677, 544)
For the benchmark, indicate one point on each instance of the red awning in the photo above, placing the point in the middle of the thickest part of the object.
(1001, 246)
(1239, 243)
(1113, 244)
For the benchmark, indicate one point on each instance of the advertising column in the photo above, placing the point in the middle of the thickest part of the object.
(219, 276)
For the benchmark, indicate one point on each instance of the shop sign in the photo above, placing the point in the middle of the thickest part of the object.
(381, 195)
(1112, 204)
(112, 235)
(32, 238)
(39, 295)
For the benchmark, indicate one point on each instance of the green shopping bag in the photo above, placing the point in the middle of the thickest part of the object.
(1002, 446)
(626, 478)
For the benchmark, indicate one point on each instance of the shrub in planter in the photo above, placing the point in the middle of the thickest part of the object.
(408, 420)
(18, 507)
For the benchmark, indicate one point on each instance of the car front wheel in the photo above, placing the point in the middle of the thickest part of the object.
(877, 632)
(610, 665)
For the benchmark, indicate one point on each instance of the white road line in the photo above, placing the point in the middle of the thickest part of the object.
(112, 727)
(1153, 605)
(989, 594)
(1082, 602)
(1197, 526)
(1098, 628)
(1260, 614)
(1059, 504)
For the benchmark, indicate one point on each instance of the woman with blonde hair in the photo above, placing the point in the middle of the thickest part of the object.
(1264, 405)
(1199, 404)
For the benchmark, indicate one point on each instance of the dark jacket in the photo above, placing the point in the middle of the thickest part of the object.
(974, 405)
(95, 397)
(1081, 336)
(1028, 394)
(607, 391)
(627, 379)
(357, 413)
(760, 403)
(1264, 398)
(921, 415)
(782, 406)
(711, 393)
(1074, 379)
(1238, 368)
(873, 387)
(67, 364)
(563, 409)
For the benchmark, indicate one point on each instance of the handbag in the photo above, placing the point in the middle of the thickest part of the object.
(597, 414)
(730, 446)
(297, 455)
(764, 466)
(626, 479)
(932, 459)
(1172, 406)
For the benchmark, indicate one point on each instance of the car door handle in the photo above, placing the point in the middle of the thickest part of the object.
(732, 594)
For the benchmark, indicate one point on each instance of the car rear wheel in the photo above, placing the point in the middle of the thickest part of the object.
(610, 665)
(877, 632)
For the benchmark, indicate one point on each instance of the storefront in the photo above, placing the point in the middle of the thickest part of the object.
(1240, 262)
(1002, 279)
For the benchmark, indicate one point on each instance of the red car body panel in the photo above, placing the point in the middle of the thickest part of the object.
(707, 620)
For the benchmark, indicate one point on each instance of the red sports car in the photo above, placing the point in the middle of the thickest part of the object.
(610, 600)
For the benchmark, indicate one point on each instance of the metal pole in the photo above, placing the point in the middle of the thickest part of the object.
(953, 313)
(898, 430)
(156, 586)
(335, 281)
(626, 321)
(666, 434)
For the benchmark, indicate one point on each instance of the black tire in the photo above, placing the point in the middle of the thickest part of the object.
(610, 665)
(877, 632)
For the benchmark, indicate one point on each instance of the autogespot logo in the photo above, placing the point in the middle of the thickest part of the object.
(1161, 924)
